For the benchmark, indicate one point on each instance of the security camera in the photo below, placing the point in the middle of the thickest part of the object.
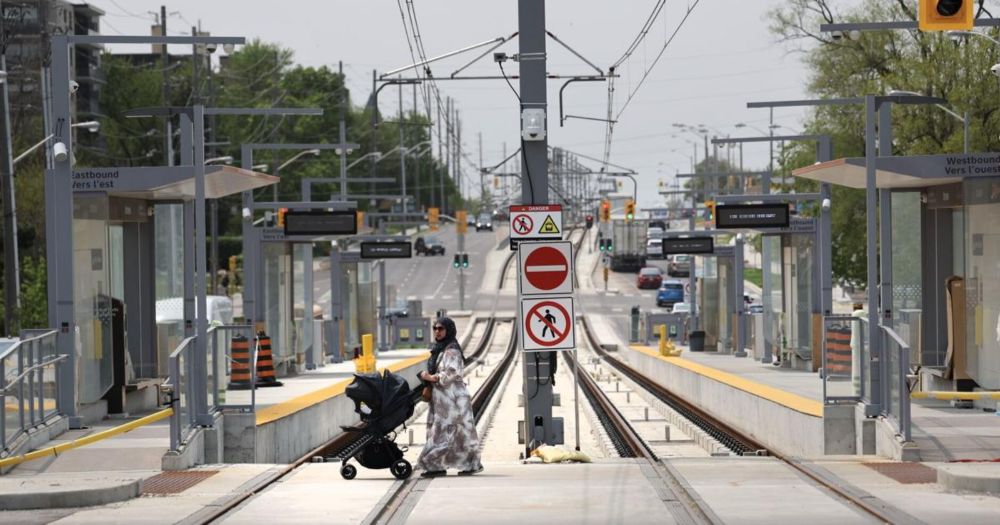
(247, 214)
(825, 204)
(211, 47)
(74, 86)
(995, 68)
(500, 57)
(59, 152)
(836, 35)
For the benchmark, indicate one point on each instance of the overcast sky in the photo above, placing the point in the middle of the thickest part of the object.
(721, 58)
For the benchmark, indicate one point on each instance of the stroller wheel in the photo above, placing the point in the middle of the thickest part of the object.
(348, 471)
(401, 469)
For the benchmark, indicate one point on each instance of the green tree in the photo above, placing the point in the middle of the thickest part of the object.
(875, 63)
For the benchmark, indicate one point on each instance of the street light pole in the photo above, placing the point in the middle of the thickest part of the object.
(11, 261)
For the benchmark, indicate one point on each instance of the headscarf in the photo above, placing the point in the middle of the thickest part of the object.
(449, 340)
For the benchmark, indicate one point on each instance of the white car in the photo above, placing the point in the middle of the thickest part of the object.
(654, 249)
(654, 233)
(171, 310)
(681, 308)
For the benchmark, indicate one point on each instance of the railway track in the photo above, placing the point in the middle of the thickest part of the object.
(347, 439)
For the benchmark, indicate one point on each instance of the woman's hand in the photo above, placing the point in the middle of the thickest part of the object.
(428, 377)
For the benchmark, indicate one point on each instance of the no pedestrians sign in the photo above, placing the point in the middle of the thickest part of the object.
(547, 324)
(535, 223)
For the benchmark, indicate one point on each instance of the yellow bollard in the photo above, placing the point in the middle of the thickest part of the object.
(368, 352)
(661, 329)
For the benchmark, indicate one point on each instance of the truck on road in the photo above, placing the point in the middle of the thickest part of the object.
(628, 251)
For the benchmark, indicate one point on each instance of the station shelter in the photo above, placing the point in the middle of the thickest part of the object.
(940, 260)
(715, 298)
(132, 248)
(310, 311)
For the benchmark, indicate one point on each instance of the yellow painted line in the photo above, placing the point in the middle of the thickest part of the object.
(296, 404)
(48, 404)
(86, 440)
(970, 396)
(795, 402)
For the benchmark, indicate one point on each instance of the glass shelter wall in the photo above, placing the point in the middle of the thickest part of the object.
(92, 289)
(907, 271)
(799, 269)
(773, 297)
(982, 281)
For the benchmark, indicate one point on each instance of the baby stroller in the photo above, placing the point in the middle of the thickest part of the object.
(384, 403)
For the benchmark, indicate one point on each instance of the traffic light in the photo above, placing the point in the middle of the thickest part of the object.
(629, 210)
(457, 261)
(461, 221)
(433, 218)
(361, 219)
(590, 221)
(281, 217)
(946, 15)
(605, 245)
(232, 263)
(710, 208)
(605, 211)
(465, 260)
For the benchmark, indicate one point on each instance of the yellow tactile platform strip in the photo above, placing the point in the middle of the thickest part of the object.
(775, 395)
(296, 404)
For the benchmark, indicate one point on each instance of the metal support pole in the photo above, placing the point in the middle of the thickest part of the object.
(741, 344)
(538, 399)
(871, 251)
(200, 379)
(402, 149)
(461, 273)
(246, 227)
(383, 297)
(334, 349)
(884, 251)
(11, 262)
(307, 290)
(187, 159)
(59, 236)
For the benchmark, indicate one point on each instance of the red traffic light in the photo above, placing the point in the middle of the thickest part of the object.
(590, 217)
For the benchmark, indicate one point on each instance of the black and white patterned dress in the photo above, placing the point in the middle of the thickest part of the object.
(452, 441)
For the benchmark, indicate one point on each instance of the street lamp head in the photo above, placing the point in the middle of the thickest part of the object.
(92, 126)
(229, 48)
(315, 152)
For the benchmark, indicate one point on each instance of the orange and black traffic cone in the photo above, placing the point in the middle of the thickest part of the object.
(239, 363)
(265, 362)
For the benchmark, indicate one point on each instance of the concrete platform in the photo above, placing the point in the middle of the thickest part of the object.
(970, 477)
(69, 489)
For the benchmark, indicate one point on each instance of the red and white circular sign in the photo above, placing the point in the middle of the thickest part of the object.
(548, 323)
(522, 224)
(546, 268)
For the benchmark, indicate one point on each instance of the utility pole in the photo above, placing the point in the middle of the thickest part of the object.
(402, 150)
(416, 161)
(440, 170)
(168, 132)
(482, 175)
(11, 272)
(539, 426)
(447, 152)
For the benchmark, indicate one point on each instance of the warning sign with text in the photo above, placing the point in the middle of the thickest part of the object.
(535, 223)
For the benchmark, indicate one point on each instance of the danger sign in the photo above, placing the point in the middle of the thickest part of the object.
(535, 222)
(545, 268)
(547, 324)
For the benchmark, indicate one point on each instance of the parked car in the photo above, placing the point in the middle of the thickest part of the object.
(649, 277)
(484, 222)
(399, 310)
(428, 246)
(654, 249)
(756, 309)
(680, 265)
(681, 308)
(670, 293)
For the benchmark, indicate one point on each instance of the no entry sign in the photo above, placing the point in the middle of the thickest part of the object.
(547, 324)
(545, 268)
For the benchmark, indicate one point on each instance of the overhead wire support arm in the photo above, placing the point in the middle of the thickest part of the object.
(578, 55)
(414, 66)
(478, 58)
(567, 83)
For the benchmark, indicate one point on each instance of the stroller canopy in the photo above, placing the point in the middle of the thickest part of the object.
(381, 393)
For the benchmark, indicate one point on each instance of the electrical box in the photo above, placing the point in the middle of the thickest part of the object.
(533, 124)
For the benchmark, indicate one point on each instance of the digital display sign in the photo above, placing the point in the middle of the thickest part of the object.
(688, 246)
(315, 222)
(751, 216)
(386, 250)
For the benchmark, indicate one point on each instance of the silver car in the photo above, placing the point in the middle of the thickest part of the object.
(680, 265)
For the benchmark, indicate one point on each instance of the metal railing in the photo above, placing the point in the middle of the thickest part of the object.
(896, 390)
(28, 389)
(184, 385)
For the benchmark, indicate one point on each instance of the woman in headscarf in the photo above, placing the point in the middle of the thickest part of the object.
(452, 441)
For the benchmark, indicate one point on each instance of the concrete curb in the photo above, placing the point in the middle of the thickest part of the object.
(980, 478)
(121, 490)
